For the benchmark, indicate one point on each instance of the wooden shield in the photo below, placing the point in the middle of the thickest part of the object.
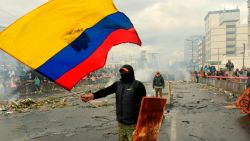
(150, 119)
(243, 102)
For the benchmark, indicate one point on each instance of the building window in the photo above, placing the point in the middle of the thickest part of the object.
(231, 29)
(230, 39)
(230, 46)
(230, 51)
(230, 32)
(230, 43)
(231, 36)
(230, 26)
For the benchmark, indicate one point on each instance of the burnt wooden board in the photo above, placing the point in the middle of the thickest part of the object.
(150, 119)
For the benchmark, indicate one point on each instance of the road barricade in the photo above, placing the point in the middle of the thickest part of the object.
(235, 85)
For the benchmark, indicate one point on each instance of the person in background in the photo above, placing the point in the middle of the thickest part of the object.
(205, 71)
(129, 93)
(158, 84)
(37, 84)
(212, 70)
(230, 67)
(237, 72)
(196, 76)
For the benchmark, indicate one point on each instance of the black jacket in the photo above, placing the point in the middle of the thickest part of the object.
(129, 93)
(158, 81)
(127, 106)
(230, 66)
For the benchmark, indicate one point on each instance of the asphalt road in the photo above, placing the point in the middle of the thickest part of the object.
(196, 115)
(199, 115)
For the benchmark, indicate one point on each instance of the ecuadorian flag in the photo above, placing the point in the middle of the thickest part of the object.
(67, 39)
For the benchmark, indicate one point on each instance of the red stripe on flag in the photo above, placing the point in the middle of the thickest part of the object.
(98, 58)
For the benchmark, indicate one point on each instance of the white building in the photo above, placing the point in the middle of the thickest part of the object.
(191, 55)
(201, 52)
(224, 35)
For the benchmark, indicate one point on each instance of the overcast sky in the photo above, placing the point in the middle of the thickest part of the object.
(162, 24)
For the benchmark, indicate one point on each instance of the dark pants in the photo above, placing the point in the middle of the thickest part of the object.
(158, 91)
(197, 79)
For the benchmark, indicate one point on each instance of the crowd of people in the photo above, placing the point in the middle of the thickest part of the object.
(19, 79)
(228, 72)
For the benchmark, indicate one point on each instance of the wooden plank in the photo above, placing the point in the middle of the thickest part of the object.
(150, 119)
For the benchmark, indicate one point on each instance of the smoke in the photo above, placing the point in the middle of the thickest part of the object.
(111, 81)
(8, 67)
(147, 60)
(144, 75)
(8, 78)
(170, 72)
(179, 71)
(7, 91)
(1, 90)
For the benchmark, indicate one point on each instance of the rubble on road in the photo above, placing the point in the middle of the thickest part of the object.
(48, 103)
(26, 105)
(98, 103)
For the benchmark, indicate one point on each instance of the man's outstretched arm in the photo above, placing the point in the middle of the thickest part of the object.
(99, 94)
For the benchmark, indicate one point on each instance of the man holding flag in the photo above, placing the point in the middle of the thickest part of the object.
(129, 93)
(65, 40)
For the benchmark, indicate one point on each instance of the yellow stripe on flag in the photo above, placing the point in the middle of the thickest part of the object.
(40, 34)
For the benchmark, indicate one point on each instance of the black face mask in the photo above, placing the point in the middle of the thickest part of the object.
(127, 78)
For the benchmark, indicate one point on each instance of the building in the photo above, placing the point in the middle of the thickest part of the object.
(201, 53)
(248, 5)
(224, 35)
(191, 55)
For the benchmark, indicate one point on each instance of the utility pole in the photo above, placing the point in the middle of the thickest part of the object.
(192, 63)
(244, 50)
(218, 58)
(193, 55)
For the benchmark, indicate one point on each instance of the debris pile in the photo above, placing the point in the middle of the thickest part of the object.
(26, 105)
(46, 102)
(22, 105)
